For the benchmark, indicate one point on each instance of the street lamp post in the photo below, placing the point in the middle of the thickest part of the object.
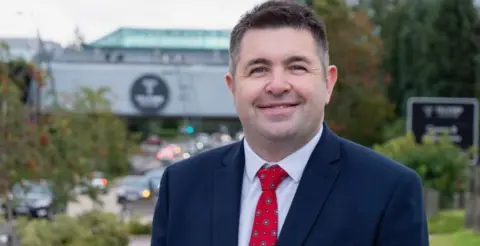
(42, 58)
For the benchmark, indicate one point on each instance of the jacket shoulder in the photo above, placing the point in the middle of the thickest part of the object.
(203, 161)
(373, 162)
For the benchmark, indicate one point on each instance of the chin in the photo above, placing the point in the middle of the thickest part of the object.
(278, 133)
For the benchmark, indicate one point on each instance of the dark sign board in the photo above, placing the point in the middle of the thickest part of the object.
(457, 117)
(149, 94)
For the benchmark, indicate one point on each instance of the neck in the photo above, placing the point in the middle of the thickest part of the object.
(276, 150)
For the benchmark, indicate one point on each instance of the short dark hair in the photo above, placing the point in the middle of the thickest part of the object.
(278, 14)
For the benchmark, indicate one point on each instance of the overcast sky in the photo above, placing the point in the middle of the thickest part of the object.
(56, 19)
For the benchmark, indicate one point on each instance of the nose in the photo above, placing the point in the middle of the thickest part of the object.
(278, 85)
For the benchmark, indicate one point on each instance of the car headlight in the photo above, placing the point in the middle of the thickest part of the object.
(42, 203)
(3, 239)
(146, 194)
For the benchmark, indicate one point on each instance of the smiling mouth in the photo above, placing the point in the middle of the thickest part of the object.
(278, 106)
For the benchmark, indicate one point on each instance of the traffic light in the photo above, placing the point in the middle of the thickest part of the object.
(190, 130)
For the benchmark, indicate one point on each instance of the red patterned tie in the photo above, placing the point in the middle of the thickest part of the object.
(265, 224)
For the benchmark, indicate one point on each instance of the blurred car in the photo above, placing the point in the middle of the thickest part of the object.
(133, 188)
(34, 199)
(204, 141)
(166, 162)
(99, 181)
(154, 183)
(156, 172)
(154, 177)
(170, 152)
(239, 136)
(154, 140)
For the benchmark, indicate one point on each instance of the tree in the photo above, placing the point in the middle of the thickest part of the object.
(431, 49)
(111, 142)
(65, 146)
(78, 39)
(455, 49)
(407, 36)
(23, 145)
(359, 107)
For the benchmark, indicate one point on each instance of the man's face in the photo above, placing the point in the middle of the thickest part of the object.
(280, 87)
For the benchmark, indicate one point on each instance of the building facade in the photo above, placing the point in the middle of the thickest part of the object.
(164, 73)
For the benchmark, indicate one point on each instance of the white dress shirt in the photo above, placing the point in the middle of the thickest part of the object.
(293, 164)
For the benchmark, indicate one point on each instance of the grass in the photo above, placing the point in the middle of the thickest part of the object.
(447, 229)
(449, 221)
(462, 238)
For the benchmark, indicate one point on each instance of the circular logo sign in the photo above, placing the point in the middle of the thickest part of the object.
(149, 94)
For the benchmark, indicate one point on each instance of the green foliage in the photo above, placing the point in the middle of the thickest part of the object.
(135, 227)
(455, 49)
(77, 137)
(430, 49)
(407, 33)
(359, 107)
(107, 141)
(441, 164)
(393, 129)
(446, 222)
(94, 228)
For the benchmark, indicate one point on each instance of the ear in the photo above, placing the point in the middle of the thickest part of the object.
(332, 74)
(229, 80)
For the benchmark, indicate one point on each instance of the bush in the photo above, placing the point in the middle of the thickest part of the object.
(93, 228)
(447, 222)
(441, 164)
(135, 227)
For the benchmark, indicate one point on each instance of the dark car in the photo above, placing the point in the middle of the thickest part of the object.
(154, 177)
(133, 188)
(156, 172)
(34, 199)
(154, 183)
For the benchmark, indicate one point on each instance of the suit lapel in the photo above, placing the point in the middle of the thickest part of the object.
(315, 186)
(226, 198)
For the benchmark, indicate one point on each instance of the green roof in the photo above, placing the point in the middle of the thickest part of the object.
(165, 39)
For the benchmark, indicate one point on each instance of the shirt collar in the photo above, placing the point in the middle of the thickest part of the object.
(294, 164)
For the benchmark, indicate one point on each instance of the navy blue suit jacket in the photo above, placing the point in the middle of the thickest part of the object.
(348, 196)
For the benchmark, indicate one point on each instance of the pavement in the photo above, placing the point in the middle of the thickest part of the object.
(143, 210)
(140, 241)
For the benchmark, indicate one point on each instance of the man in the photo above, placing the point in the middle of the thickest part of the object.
(291, 181)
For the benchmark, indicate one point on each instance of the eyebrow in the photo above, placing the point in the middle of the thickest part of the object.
(258, 61)
(291, 59)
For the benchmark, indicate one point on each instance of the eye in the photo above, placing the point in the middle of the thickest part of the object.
(298, 68)
(258, 70)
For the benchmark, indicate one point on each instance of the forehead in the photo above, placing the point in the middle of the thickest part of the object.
(277, 44)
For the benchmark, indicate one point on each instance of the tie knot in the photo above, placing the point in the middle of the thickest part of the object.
(271, 177)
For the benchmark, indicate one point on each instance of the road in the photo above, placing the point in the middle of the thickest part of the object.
(143, 210)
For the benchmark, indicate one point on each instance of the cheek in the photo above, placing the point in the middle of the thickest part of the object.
(245, 95)
(315, 94)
